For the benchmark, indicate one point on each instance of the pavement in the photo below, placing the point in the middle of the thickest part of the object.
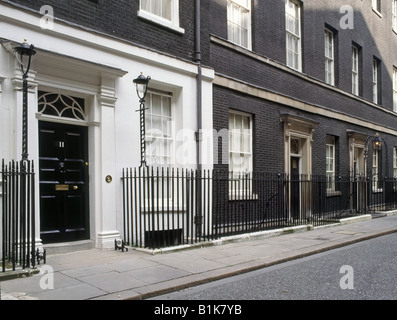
(140, 274)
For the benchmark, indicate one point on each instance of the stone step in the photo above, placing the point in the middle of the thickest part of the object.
(59, 248)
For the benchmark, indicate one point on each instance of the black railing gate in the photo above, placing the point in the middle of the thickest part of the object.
(167, 207)
(17, 214)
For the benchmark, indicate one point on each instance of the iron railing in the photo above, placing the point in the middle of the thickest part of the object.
(167, 207)
(17, 214)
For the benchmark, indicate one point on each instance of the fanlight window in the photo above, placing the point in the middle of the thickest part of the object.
(62, 106)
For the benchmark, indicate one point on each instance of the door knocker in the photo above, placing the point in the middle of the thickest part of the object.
(62, 168)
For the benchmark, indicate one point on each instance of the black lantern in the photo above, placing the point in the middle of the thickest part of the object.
(24, 53)
(377, 142)
(141, 84)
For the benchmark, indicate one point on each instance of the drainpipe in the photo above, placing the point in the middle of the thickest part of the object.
(197, 59)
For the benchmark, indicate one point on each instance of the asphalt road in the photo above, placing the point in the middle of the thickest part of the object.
(363, 271)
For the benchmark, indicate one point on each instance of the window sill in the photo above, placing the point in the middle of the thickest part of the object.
(242, 196)
(377, 12)
(160, 21)
(333, 193)
(154, 209)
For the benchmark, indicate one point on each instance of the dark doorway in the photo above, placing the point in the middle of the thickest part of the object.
(295, 187)
(63, 154)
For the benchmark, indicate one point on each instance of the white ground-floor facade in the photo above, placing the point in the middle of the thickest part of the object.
(84, 80)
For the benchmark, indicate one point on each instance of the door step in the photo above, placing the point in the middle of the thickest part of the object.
(58, 248)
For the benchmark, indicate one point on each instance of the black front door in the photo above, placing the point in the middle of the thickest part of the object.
(295, 188)
(63, 182)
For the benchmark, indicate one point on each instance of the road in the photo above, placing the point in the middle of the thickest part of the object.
(363, 271)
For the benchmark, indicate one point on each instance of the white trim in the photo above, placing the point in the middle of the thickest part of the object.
(330, 35)
(172, 23)
(355, 70)
(250, 153)
(375, 83)
(245, 4)
(375, 8)
(394, 80)
(332, 157)
(171, 122)
(394, 15)
(395, 162)
(161, 21)
(29, 23)
(295, 36)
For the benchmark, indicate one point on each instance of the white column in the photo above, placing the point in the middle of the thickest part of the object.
(106, 218)
(3, 122)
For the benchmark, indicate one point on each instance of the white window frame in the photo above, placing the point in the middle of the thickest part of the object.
(237, 12)
(395, 163)
(172, 23)
(375, 83)
(329, 44)
(293, 37)
(394, 89)
(394, 15)
(238, 185)
(330, 163)
(395, 168)
(355, 71)
(376, 7)
(151, 135)
(375, 171)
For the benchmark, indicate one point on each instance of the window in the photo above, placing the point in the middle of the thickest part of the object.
(376, 171)
(329, 57)
(395, 163)
(61, 106)
(159, 129)
(331, 163)
(164, 12)
(376, 5)
(355, 71)
(239, 22)
(293, 30)
(376, 89)
(394, 14)
(394, 89)
(240, 149)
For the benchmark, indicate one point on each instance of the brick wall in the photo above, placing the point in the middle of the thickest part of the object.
(371, 32)
(119, 18)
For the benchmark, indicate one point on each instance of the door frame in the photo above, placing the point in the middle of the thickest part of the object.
(295, 188)
(302, 129)
(358, 183)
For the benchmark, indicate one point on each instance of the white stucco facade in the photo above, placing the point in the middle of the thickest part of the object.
(100, 69)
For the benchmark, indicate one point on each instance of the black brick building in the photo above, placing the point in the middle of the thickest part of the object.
(291, 87)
